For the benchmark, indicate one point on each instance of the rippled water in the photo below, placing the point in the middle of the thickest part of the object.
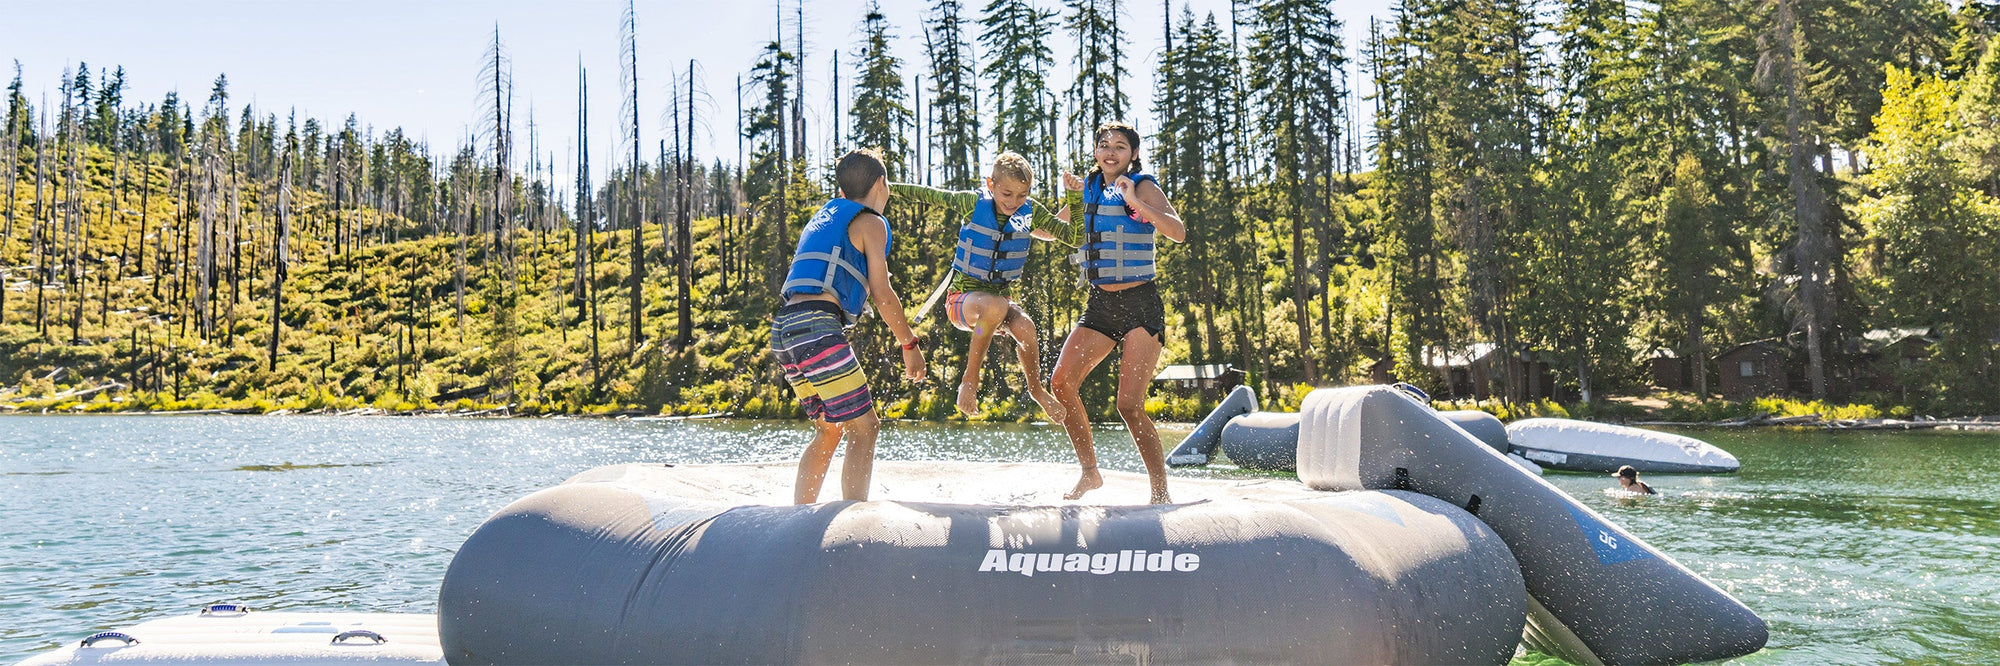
(1869, 548)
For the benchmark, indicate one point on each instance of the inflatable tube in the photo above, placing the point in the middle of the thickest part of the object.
(1487, 428)
(653, 564)
(1263, 440)
(1625, 602)
(229, 634)
(1199, 447)
(1585, 446)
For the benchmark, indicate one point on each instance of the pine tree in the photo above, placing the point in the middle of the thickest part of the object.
(879, 118)
(767, 174)
(1016, 38)
(1298, 105)
(1812, 249)
(1097, 95)
(953, 118)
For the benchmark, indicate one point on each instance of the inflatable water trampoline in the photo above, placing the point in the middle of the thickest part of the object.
(1404, 540)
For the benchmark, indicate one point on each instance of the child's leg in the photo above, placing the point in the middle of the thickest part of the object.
(1022, 329)
(983, 314)
(1082, 351)
(858, 467)
(1135, 374)
(813, 464)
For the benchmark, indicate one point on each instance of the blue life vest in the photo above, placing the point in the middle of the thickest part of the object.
(1117, 248)
(827, 261)
(988, 251)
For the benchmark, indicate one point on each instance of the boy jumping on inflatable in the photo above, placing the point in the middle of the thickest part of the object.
(991, 255)
(840, 265)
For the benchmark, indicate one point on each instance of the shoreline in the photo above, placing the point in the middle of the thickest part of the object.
(1805, 422)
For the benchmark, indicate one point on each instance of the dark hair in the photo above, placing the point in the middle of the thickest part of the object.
(1131, 136)
(857, 172)
(1627, 472)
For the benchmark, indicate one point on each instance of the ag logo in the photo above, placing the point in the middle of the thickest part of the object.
(1609, 547)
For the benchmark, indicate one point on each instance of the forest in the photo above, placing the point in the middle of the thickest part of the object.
(1581, 187)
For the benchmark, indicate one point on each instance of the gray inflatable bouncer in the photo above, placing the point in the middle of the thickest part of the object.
(1409, 542)
(645, 564)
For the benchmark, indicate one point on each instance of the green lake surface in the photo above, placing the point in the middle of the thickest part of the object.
(1857, 548)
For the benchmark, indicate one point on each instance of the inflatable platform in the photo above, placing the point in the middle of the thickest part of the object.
(234, 634)
(975, 563)
(1585, 446)
(1409, 541)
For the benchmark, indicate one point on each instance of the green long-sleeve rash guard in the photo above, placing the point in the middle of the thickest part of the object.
(960, 203)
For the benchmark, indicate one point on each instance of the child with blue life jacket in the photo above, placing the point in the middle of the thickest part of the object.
(840, 266)
(988, 261)
(1124, 212)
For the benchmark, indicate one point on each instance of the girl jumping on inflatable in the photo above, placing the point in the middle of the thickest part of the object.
(1123, 210)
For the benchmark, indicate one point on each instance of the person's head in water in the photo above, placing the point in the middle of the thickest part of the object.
(1010, 182)
(863, 178)
(1628, 479)
(1117, 152)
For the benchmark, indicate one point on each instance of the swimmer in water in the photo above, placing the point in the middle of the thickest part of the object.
(1628, 479)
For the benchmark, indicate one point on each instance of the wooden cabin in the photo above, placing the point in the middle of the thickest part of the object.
(1754, 369)
(1475, 371)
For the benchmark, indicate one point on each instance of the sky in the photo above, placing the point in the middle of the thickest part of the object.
(414, 64)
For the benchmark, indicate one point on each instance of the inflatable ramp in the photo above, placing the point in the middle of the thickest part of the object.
(1602, 594)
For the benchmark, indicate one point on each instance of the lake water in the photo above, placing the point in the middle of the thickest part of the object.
(1857, 548)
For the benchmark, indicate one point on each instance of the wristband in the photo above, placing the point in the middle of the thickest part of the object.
(912, 344)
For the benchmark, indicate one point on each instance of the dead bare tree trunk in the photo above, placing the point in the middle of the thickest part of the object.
(280, 258)
(630, 60)
(683, 236)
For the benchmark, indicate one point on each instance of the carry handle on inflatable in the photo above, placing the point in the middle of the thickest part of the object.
(110, 635)
(218, 609)
(359, 633)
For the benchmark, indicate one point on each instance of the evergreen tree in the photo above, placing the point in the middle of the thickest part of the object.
(1097, 95)
(953, 118)
(1016, 38)
(879, 118)
(1298, 108)
(1936, 233)
(1193, 162)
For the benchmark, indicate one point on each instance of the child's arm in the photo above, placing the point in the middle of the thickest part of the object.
(1151, 205)
(1053, 224)
(959, 202)
(870, 234)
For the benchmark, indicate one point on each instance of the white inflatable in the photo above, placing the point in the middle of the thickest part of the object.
(1585, 446)
(230, 634)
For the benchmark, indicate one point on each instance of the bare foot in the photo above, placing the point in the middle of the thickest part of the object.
(1048, 402)
(968, 399)
(1162, 498)
(1090, 480)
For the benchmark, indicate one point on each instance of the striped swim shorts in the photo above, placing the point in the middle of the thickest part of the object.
(954, 311)
(808, 340)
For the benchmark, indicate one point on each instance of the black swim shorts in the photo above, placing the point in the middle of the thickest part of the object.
(1116, 313)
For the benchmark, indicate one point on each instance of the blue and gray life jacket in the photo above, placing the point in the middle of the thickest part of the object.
(990, 251)
(827, 261)
(1117, 247)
